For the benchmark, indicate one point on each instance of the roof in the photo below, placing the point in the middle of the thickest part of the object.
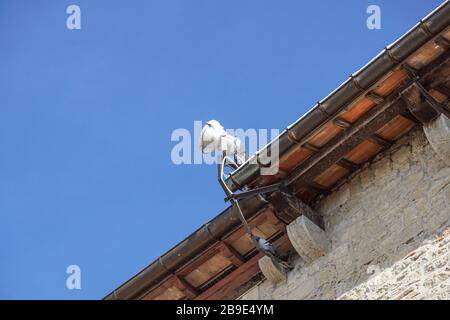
(354, 123)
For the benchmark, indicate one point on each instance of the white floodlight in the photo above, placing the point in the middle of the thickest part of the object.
(213, 137)
(230, 152)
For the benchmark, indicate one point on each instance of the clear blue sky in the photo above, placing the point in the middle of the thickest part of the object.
(86, 118)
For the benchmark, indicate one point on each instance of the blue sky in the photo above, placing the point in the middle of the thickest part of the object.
(86, 118)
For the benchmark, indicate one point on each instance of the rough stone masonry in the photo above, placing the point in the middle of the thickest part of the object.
(388, 230)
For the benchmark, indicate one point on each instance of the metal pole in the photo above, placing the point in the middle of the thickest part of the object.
(234, 202)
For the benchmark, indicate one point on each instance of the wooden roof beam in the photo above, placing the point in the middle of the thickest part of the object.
(230, 253)
(241, 275)
(442, 42)
(442, 88)
(383, 143)
(310, 147)
(349, 165)
(341, 123)
(374, 97)
(363, 128)
(341, 144)
(159, 290)
(408, 115)
(189, 291)
(418, 108)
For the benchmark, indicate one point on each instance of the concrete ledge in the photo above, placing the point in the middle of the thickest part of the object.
(308, 239)
(274, 273)
(438, 134)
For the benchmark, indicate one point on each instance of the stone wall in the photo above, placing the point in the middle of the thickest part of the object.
(389, 233)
